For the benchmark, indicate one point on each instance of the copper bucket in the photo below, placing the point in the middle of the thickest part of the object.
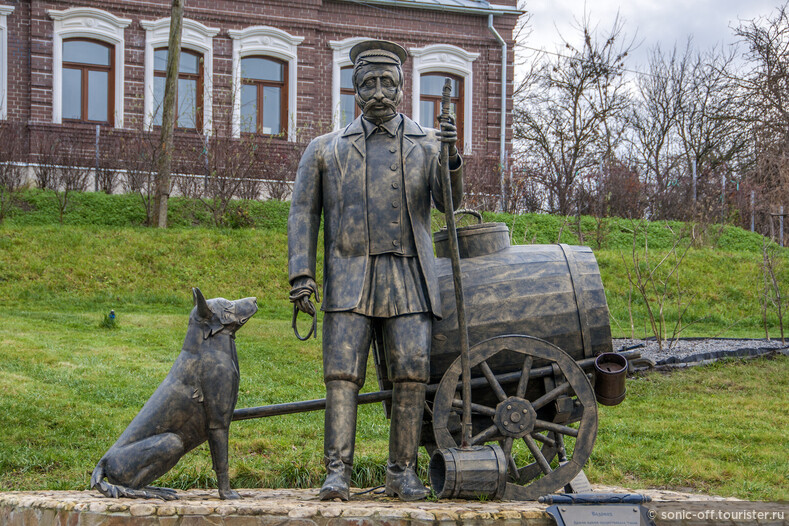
(610, 369)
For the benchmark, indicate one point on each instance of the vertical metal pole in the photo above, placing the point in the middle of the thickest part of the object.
(723, 198)
(753, 211)
(781, 226)
(96, 167)
(600, 197)
(694, 180)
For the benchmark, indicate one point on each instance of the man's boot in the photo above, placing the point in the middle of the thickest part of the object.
(408, 403)
(339, 436)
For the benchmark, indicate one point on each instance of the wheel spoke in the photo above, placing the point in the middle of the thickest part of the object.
(538, 456)
(494, 384)
(550, 426)
(523, 383)
(560, 449)
(512, 467)
(551, 395)
(485, 435)
(475, 408)
(544, 439)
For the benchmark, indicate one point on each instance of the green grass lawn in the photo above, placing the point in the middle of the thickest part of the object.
(68, 387)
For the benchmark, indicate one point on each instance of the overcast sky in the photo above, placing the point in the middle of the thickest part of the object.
(709, 22)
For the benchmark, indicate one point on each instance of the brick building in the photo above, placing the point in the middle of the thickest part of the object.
(67, 67)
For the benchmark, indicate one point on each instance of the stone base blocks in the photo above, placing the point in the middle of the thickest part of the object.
(257, 508)
(299, 507)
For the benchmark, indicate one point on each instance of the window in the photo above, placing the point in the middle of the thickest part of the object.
(4, 12)
(188, 91)
(344, 109)
(265, 70)
(87, 65)
(264, 95)
(431, 64)
(87, 80)
(431, 90)
(349, 110)
(193, 89)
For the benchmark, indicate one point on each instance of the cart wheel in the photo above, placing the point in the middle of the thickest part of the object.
(513, 420)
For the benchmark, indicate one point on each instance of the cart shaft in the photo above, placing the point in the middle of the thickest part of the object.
(288, 408)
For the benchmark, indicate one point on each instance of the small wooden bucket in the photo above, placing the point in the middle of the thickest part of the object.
(610, 370)
(469, 473)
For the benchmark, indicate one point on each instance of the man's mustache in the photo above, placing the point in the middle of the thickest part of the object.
(368, 105)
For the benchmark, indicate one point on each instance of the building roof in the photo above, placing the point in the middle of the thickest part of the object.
(480, 7)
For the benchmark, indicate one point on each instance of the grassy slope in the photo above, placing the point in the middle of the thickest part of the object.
(68, 387)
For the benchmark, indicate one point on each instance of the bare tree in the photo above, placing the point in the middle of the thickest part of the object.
(659, 283)
(108, 165)
(570, 110)
(138, 154)
(163, 183)
(764, 105)
(482, 183)
(771, 297)
(70, 174)
(12, 176)
(279, 167)
(229, 163)
(621, 192)
(45, 156)
(662, 91)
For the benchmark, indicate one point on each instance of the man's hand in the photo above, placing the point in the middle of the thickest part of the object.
(300, 294)
(449, 134)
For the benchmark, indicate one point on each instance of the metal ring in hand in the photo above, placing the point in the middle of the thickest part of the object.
(313, 330)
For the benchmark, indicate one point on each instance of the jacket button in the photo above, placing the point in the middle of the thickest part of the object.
(395, 204)
(394, 242)
(393, 149)
(393, 167)
(395, 185)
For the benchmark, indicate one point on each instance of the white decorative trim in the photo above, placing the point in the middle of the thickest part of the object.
(444, 58)
(272, 42)
(87, 22)
(196, 37)
(340, 60)
(5, 10)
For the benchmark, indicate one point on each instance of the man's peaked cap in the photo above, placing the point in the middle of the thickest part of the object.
(378, 52)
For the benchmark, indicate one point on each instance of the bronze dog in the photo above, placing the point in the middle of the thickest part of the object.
(194, 403)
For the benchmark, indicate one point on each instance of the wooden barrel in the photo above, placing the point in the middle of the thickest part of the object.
(469, 473)
(552, 292)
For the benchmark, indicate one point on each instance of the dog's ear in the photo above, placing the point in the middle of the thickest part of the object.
(202, 306)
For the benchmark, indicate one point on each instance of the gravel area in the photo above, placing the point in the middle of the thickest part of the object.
(695, 351)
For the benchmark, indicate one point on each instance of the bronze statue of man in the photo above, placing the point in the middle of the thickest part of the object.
(373, 182)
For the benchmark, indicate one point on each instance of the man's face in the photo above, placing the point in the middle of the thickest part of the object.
(378, 90)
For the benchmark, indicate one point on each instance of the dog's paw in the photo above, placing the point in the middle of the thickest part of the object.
(229, 494)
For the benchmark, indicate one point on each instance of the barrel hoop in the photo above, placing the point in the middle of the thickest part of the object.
(575, 280)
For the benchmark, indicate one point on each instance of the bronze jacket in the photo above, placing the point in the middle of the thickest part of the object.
(331, 180)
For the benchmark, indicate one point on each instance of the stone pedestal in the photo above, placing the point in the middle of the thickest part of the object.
(269, 507)
(258, 507)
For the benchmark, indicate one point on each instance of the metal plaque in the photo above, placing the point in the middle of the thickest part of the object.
(597, 515)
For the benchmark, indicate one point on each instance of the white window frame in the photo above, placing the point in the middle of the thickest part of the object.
(340, 48)
(195, 37)
(87, 22)
(445, 58)
(271, 42)
(5, 10)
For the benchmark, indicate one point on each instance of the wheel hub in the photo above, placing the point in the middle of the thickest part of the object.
(515, 417)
